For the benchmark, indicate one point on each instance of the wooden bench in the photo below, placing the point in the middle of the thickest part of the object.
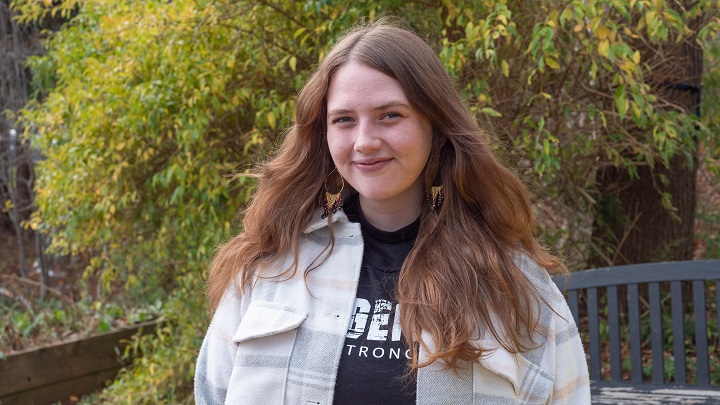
(628, 315)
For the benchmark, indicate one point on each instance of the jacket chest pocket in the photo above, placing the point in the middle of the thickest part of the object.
(264, 339)
(505, 378)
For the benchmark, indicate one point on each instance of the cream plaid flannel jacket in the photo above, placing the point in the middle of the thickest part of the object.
(281, 342)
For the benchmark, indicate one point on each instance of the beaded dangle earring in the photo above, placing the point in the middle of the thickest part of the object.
(332, 201)
(435, 197)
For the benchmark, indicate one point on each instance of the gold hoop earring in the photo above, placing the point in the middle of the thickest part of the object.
(435, 197)
(332, 201)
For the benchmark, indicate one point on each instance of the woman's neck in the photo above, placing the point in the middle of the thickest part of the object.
(389, 217)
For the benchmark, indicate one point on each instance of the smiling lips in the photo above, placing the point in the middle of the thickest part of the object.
(371, 165)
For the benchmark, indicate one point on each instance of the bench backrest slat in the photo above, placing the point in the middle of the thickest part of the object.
(574, 307)
(656, 331)
(594, 332)
(701, 344)
(634, 327)
(614, 331)
(640, 273)
(678, 331)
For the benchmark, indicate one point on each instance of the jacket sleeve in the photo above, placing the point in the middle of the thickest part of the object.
(217, 353)
(571, 381)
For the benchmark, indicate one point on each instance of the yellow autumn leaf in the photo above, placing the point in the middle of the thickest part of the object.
(552, 63)
(649, 17)
(603, 32)
(491, 112)
(604, 48)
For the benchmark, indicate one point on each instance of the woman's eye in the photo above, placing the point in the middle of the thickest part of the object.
(392, 115)
(341, 120)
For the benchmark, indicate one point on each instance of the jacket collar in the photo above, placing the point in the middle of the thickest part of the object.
(317, 222)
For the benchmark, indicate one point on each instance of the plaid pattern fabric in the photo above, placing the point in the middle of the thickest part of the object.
(280, 343)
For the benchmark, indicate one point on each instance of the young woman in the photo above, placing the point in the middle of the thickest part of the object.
(387, 257)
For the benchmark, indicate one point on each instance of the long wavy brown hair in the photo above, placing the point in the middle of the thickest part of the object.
(460, 278)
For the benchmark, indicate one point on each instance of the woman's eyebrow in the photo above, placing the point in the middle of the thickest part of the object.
(339, 111)
(391, 104)
(379, 107)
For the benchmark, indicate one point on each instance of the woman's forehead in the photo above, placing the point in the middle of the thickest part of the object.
(358, 84)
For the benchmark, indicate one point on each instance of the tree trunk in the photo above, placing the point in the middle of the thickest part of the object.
(636, 224)
(17, 42)
(633, 225)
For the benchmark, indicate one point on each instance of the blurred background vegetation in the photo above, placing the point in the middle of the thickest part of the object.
(135, 121)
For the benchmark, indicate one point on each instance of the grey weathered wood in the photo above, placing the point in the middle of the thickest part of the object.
(614, 331)
(678, 331)
(594, 332)
(648, 394)
(640, 273)
(654, 275)
(656, 330)
(574, 307)
(634, 328)
(717, 301)
(55, 370)
(701, 344)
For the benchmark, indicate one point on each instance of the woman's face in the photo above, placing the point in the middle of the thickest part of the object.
(378, 141)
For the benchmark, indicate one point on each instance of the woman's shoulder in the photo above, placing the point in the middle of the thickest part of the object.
(539, 277)
(537, 274)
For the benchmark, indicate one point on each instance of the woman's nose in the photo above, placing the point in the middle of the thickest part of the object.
(367, 138)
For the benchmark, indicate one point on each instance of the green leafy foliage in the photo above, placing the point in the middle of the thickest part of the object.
(146, 110)
(31, 322)
(577, 88)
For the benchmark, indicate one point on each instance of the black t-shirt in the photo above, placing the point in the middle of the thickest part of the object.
(374, 361)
